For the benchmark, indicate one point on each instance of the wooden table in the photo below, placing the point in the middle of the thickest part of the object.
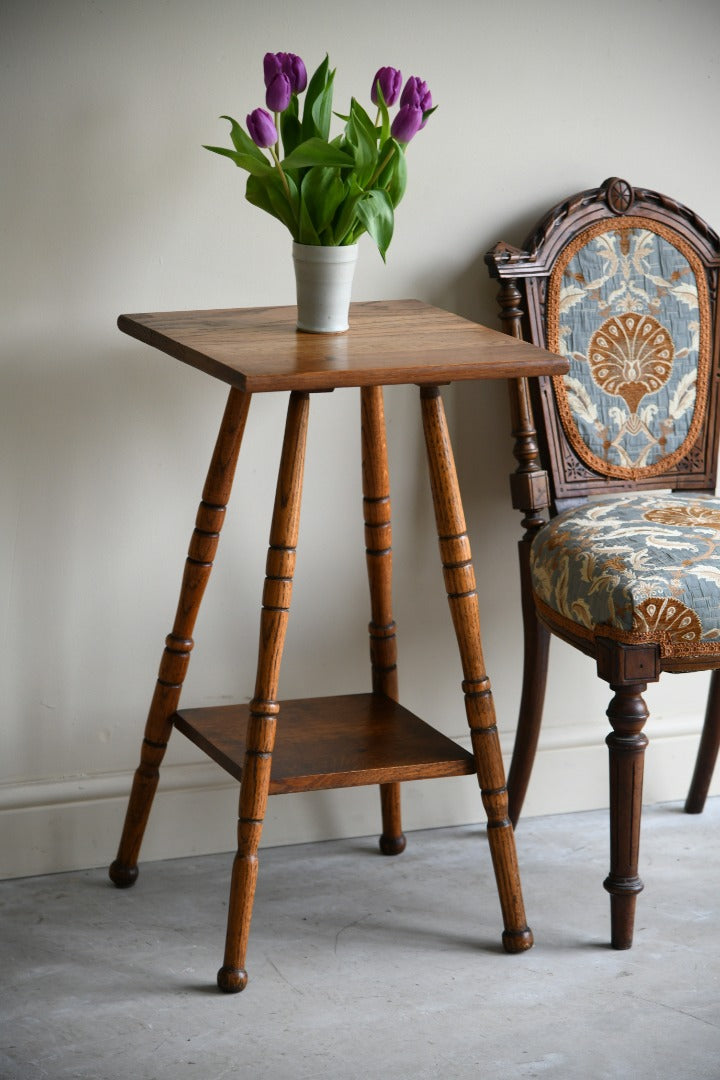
(354, 739)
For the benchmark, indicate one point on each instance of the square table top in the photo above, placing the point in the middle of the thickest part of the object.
(389, 342)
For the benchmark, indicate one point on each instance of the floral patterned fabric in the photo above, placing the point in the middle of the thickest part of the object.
(640, 568)
(627, 306)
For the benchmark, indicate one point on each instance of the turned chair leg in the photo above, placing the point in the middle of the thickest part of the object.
(536, 638)
(378, 553)
(264, 708)
(626, 744)
(707, 751)
(462, 597)
(176, 657)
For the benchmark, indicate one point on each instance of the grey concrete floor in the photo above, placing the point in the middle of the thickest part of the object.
(367, 967)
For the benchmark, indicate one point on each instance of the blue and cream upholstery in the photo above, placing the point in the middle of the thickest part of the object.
(638, 568)
(628, 306)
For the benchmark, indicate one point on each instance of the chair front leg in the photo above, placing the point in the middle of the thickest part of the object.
(626, 743)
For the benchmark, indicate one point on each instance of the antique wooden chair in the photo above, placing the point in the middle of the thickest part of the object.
(623, 281)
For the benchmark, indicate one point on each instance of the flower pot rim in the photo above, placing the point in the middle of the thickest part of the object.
(342, 252)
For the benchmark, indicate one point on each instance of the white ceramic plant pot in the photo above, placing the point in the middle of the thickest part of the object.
(323, 276)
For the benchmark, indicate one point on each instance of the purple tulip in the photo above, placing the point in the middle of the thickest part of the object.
(261, 128)
(272, 66)
(287, 64)
(278, 93)
(295, 70)
(416, 93)
(390, 80)
(407, 123)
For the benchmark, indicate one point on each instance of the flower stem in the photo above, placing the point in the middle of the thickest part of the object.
(273, 151)
(381, 166)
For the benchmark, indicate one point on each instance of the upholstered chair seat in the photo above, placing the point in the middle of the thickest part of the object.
(639, 568)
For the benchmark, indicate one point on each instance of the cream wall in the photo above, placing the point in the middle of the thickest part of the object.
(109, 204)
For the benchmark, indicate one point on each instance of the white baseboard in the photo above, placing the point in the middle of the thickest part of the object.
(58, 825)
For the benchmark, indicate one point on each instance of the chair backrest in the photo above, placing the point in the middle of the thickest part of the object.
(624, 283)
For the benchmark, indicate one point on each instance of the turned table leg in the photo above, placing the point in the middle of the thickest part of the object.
(176, 656)
(378, 549)
(264, 708)
(462, 596)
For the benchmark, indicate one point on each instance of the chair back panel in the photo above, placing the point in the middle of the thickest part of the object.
(623, 282)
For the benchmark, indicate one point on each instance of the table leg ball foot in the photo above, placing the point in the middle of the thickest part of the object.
(122, 876)
(517, 941)
(232, 980)
(392, 845)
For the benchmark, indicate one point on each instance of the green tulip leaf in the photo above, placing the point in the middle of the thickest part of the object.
(361, 135)
(321, 193)
(322, 109)
(242, 141)
(317, 152)
(393, 178)
(258, 194)
(384, 115)
(290, 127)
(345, 220)
(307, 233)
(318, 103)
(398, 182)
(257, 166)
(375, 213)
(272, 198)
(362, 119)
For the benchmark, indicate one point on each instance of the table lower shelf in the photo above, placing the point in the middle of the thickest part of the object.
(331, 742)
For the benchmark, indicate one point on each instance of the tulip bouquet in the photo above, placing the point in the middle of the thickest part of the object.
(328, 191)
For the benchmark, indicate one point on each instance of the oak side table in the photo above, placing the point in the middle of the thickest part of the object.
(360, 738)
